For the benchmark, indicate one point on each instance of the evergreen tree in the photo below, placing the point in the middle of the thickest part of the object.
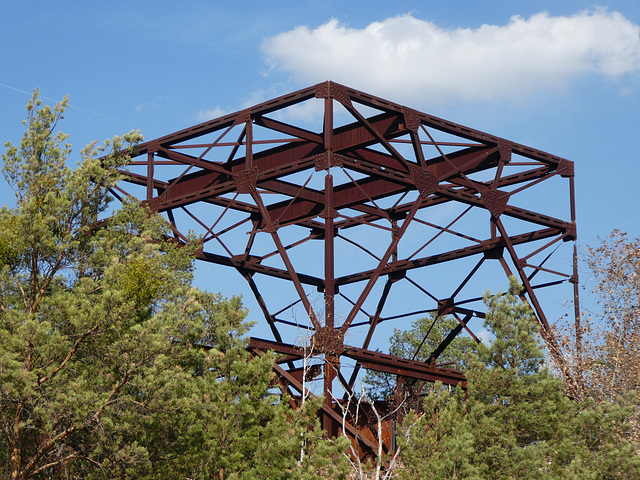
(513, 421)
(111, 364)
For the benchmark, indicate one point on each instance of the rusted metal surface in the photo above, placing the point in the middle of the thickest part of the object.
(366, 214)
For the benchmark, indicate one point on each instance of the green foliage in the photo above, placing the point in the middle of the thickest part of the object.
(111, 364)
(47, 232)
(513, 421)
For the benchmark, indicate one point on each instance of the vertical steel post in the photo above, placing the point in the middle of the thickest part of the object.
(329, 255)
(150, 174)
(329, 282)
(329, 233)
(329, 259)
(576, 287)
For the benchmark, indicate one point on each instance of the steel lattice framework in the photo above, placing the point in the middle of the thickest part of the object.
(367, 214)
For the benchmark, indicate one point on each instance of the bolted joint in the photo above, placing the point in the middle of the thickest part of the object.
(153, 146)
(425, 181)
(326, 160)
(328, 340)
(333, 213)
(411, 119)
(445, 307)
(246, 181)
(271, 227)
(495, 201)
(571, 232)
(504, 148)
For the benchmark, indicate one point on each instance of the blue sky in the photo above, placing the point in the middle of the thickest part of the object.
(562, 77)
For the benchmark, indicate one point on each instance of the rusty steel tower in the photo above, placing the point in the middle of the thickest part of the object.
(363, 214)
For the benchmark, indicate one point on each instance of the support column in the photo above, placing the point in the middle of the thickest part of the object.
(329, 253)
(329, 233)
(329, 289)
(576, 290)
(329, 263)
(150, 159)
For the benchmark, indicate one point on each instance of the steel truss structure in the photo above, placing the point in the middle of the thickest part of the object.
(367, 214)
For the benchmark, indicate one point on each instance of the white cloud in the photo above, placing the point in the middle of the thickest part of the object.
(210, 114)
(310, 111)
(412, 58)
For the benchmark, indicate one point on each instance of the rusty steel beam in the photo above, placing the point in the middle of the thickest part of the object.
(403, 367)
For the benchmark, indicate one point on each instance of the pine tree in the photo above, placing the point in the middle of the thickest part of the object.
(513, 421)
(111, 364)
